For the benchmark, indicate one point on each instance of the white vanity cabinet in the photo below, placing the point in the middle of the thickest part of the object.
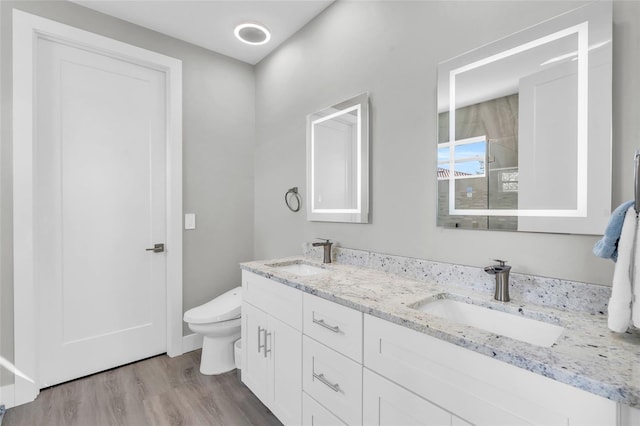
(316, 362)
(272, 345)
(473, 387)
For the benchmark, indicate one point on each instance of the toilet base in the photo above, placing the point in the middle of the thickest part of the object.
(217, 354)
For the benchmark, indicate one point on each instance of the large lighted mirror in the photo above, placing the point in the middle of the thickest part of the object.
(338, 162)
(524, 129)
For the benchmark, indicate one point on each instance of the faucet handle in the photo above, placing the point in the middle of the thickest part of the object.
(326, 240)
(501, 262)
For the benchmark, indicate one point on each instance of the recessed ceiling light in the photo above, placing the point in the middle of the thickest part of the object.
(250, 33)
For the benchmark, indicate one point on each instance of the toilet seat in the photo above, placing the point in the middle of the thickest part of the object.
(223, 308)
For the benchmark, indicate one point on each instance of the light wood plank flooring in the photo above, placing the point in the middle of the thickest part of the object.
(156, 391)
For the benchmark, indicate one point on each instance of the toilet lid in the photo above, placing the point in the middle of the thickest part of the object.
(223, 308)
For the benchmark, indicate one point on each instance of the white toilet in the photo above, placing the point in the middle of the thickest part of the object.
(219, 323)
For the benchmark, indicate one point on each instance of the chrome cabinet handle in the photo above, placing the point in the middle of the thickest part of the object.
(321, 323)
(261, 346)
(266, 351)
(334, 386)
(157, 248)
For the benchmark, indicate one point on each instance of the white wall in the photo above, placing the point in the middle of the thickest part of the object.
(218, 144)
(391, 49)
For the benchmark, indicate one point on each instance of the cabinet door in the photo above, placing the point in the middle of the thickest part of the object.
(387, 404)
(284, 349)
(255, 364)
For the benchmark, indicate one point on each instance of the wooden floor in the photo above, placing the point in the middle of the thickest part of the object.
(157, 391)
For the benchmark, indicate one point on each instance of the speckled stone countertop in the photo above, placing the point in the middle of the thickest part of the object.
(586, 355)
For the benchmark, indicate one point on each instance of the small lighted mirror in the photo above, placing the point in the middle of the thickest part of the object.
(524, 139)
(338, 162)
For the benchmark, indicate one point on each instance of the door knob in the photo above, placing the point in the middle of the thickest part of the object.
(157, 248)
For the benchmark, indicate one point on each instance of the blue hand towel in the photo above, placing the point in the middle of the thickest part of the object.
(607, 247)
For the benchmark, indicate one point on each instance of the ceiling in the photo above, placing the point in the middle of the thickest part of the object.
(210, 23)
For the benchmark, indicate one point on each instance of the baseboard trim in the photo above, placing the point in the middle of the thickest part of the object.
(7, 396)
(191, 342)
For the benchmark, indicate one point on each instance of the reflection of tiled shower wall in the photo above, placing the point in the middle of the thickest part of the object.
(478, 200)
(501, 196)
(498, 120)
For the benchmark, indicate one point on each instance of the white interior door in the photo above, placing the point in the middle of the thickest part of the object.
(99, 202)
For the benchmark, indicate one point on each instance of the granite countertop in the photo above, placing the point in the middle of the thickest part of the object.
(586, 355)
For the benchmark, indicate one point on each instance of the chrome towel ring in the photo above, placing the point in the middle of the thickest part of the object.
(293, 191)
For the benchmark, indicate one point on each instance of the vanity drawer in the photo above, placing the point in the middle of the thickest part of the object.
(314, 414)
(335, 325)
(333, 380)
(281, 301)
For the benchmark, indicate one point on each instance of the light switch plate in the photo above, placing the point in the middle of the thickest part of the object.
(190, 221)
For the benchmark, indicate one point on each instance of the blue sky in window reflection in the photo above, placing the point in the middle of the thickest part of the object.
(469, 158)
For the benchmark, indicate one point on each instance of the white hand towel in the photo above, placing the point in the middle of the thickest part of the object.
(620, 302)
(635, 280)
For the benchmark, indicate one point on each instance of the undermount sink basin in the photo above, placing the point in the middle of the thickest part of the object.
(505, 324)
(299, 268)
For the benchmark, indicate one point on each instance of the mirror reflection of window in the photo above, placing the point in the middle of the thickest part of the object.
(497, 121)
(470, 157)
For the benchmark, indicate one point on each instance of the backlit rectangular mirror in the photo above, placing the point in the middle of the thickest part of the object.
(338, 162)
(524, 129)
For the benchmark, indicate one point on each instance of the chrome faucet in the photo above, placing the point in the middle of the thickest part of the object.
(327, 249)
(501, 272)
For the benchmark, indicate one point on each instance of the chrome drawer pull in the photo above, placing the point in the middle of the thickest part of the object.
(266, 351)
(321, 323)
(261, 346)
(334, 387)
